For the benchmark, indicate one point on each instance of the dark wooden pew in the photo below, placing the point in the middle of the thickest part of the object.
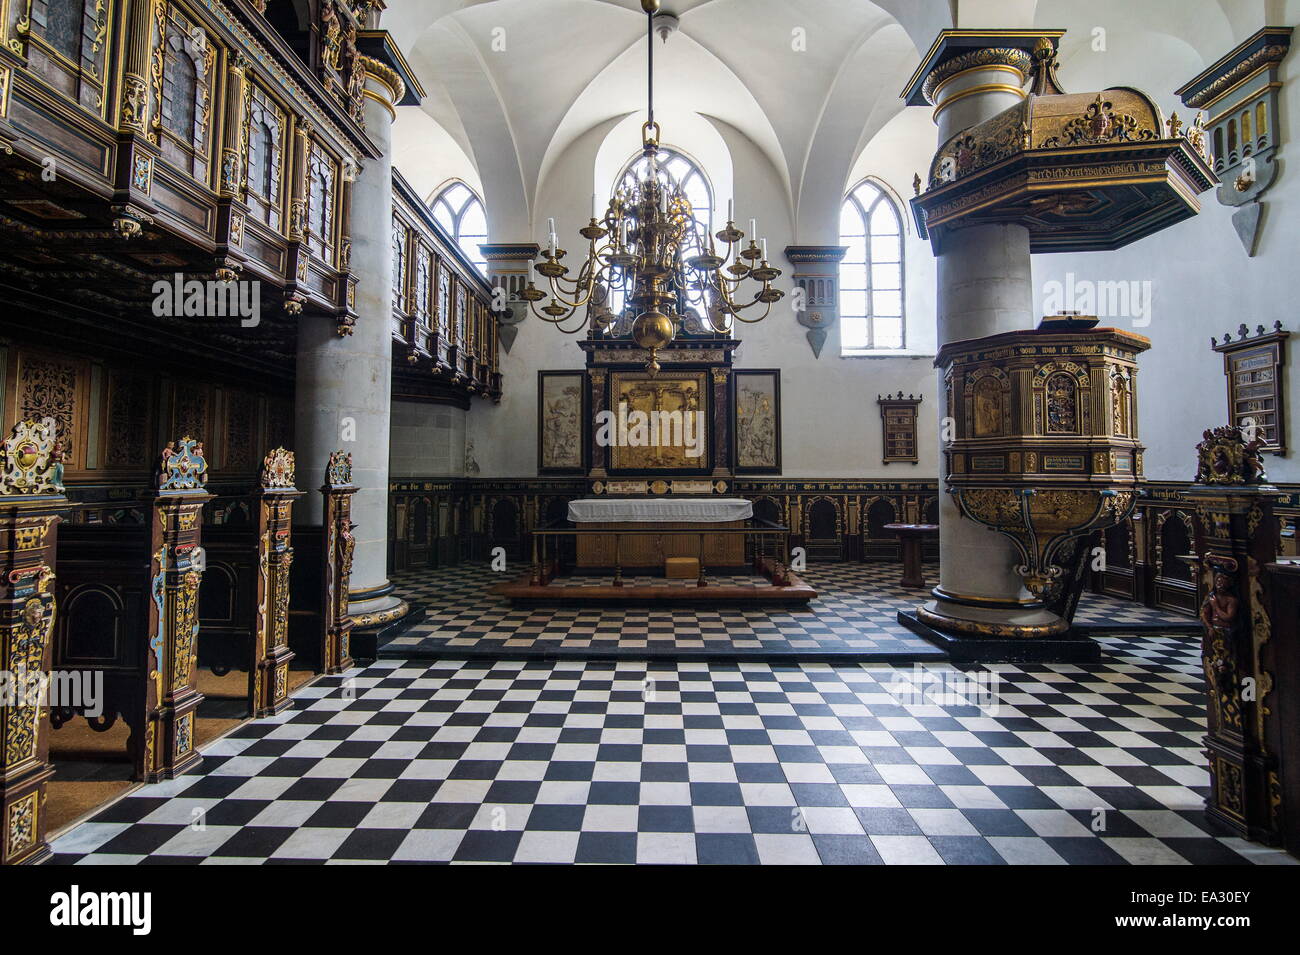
(128, 595)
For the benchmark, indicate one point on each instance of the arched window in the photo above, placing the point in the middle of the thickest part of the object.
(458, 210)
(871, 275)
(675, 170)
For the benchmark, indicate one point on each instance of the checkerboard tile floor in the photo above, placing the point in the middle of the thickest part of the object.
(747, 762)
(855, 612)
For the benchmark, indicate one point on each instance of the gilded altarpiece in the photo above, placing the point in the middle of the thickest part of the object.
(678, 398)
(31, 507)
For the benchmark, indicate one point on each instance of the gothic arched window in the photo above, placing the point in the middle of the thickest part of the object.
(679, 170)
(675, 169)
(871, 274)
(460, 212)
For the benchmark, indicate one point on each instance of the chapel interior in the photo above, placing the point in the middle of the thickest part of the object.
(649, 431)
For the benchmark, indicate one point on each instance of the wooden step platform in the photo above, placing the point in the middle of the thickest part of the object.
(601, 590)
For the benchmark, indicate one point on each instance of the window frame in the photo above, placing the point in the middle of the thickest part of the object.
(457, 217)
(865, 212)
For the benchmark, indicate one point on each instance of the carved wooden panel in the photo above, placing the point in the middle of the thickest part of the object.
(128, 421)
(239, 451)
(192, 411)
(66, 44)
(47, 385)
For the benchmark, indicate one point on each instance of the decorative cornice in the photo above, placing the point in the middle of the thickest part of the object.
(1017, 60)
(1266, 47)
(378, 45)
(954, 51)
(509, 251)
(813, 254)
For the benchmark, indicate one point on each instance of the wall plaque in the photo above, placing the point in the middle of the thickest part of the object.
(898, 416)
(1256, 399)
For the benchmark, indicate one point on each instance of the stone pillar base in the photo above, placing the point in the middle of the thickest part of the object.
(1006, 637)
(376, 619)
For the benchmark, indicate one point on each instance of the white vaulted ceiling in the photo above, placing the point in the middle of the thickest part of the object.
(573, 66)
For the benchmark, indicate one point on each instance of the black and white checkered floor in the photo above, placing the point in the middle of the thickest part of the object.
(622, 761)
(854, 614)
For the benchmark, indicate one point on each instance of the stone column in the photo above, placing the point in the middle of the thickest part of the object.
(344, 382)
(984, 287)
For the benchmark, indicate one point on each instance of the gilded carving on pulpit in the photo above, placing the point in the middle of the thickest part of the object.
(559, 422)
(658, 423)
(988, 407)
(758, 422)
(1062, 405)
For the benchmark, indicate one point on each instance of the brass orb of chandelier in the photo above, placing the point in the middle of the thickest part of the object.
(650, 246)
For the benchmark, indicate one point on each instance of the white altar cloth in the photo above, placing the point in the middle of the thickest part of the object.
(696, 510)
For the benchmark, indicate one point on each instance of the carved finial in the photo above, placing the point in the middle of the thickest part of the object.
(278, 469)
(1196, 137)
(1175, 124)
(916, 183)
(1243, 331)
(1045, 79)
(31, 459)
(183, 466)
(338, 472)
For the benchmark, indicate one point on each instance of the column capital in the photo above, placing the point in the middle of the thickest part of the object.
(392, 82)
(958, 51)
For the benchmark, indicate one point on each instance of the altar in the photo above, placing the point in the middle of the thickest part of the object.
(654, 521)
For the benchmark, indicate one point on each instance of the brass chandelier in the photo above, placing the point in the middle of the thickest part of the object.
(650, 247)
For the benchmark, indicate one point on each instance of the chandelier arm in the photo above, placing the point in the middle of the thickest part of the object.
(559, 321)
(752, 321)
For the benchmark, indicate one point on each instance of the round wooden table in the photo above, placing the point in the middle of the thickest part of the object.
(910, 539)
